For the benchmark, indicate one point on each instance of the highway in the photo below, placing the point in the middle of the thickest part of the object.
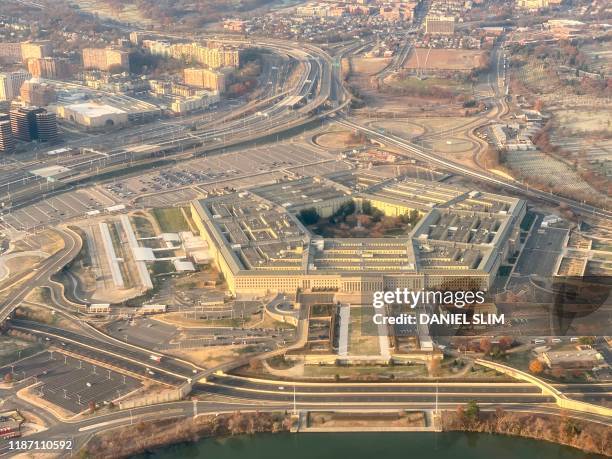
(380, 392)
(81, 430)
(119, 355)
(273, 115)
(321, 92)
(414, 151)
(49, 267)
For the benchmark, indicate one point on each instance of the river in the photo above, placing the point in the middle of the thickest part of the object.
(418, 445)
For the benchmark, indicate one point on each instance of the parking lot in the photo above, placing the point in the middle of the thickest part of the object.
(219, 168)
(154, 334)
(69, 382)
(541, 251)
(55, 209)
(179, 184)
(143, 332)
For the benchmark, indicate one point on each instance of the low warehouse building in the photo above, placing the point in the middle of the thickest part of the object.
(93, 115)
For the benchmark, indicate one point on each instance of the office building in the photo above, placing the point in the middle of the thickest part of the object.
(49, 67)
(10, 83)
(46, 127)
(260, 245)
(38, 94)
(206, 79)
(105, 59)
(31, 50)
(7, 141)
(10, 52)
(23, 122)
(532, 5)
(213, 56)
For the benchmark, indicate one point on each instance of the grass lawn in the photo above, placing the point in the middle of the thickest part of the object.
(171, 220)
(398, 371)
(12, 349)
(143, 226)
(418, 86)
(363, 332)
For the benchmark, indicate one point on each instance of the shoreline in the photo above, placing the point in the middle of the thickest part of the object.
(588, 437)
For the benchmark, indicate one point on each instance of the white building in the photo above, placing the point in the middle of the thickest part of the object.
(93, 115)
(190, 104)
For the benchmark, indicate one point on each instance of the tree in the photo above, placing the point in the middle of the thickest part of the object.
(505, 342)
(587, 340)
(472, 411)
(536, 367)
(255, 365)
(309, 216)
(539, 105)
(8, 378)
(433, 367)
(92, 406)
(485, 345)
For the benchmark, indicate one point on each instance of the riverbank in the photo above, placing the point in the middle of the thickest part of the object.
(148, 436)
(589, 437)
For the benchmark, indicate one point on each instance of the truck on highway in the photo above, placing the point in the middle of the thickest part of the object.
(155, 358)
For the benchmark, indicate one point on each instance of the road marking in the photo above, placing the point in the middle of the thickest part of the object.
(129, 418)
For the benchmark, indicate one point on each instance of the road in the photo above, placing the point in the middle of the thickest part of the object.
(80, 431)
(49, 267)
(261, 119)
(414, 151)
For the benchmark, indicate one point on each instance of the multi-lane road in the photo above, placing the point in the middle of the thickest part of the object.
(43, 273)
(360, 397)
(290, 108)
(414, 151)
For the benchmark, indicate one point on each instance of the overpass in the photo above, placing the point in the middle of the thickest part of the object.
(414, 151)
(49, 267)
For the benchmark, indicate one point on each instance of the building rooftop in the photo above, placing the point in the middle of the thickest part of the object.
(258, 230)
(94, 110)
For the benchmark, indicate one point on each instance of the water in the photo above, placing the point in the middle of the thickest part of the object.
(419, 445)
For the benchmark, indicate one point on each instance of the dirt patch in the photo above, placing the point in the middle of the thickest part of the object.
(338, 140)
(445, 59)
(329, 420)
(215, 356)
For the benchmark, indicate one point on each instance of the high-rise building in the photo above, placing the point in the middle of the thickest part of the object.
(31, 50)
(440, 25)
(49, 67)
(7, 141)
(46, 127)
(23, 122)
(105, 59)
(214, 55)
(206, 79)
(38, 94)
(10, 83)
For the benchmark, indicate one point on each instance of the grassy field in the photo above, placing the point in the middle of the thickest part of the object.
(12, 349)
(363, 333)
(143, 226)
(171, 220)
(368, 371)
(430, 87)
